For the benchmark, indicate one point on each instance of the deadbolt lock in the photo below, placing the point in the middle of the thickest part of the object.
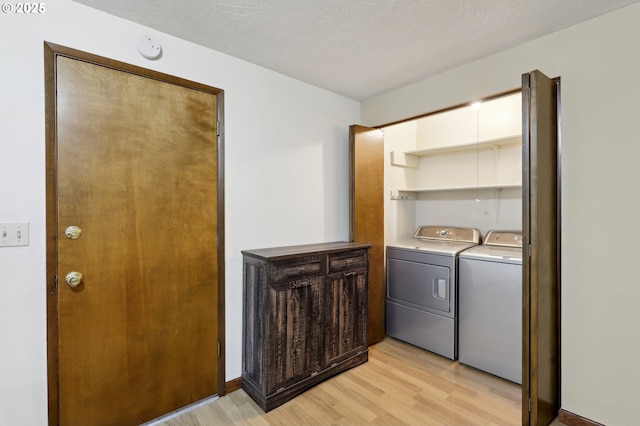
(74, 279)
(73, 232)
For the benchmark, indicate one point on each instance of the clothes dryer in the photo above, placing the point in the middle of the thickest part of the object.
(421, 298)
(490, 303)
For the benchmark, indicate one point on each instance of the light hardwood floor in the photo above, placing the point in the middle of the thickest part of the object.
(400, 385)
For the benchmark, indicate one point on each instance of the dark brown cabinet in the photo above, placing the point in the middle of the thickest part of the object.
(305, 317)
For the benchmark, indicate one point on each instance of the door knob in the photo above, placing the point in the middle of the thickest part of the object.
(74, 279)
(73, 232)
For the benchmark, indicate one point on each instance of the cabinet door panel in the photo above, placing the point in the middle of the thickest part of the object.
(454, 127)
(500, 118)
(294, 331)
(346, 313)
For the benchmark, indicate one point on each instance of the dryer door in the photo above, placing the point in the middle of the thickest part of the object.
(420, 284)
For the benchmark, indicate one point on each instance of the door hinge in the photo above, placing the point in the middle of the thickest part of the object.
(219, 350)
(529, 93)
(529, 404)
(218, 128)
(529, 250)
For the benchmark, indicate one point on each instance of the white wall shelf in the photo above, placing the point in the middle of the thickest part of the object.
(411, 193)
(411, 158)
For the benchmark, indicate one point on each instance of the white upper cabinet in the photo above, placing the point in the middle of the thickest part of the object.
(500, 118)
(462, 128)
(465, 147)
(448, 129)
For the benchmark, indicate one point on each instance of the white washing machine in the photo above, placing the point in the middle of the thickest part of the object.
(422, 287)
(490, 305)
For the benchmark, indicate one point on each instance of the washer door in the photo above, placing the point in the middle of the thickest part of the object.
(420, 284)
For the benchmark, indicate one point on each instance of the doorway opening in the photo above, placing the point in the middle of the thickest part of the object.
(509, 179)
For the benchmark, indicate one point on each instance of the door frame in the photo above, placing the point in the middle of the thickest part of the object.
(531, 362)
(51, 52)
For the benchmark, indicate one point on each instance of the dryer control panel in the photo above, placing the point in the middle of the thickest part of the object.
(443, 233)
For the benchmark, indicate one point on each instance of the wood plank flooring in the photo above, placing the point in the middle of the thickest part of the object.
(400, 385)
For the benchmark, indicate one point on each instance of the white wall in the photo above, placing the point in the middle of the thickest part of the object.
(286, 173)
(599, 64)
(495, 210)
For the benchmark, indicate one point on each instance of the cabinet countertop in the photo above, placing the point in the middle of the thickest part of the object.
(281, 253)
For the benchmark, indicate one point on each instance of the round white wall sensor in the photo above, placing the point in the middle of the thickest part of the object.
(148, 47)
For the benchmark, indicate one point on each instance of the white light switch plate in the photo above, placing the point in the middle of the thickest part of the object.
(13, 234)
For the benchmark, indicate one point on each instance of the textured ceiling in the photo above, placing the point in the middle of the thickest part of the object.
(358, 48)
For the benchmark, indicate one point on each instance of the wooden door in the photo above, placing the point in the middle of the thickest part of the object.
(540, 227)
(134, 164)
(366, 213)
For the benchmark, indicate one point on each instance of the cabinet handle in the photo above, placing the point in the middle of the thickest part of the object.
(350, 274)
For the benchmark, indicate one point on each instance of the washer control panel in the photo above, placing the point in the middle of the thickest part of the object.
(503, 238)
(444, 233)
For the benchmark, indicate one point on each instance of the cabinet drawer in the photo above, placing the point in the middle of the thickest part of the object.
(291, 269)
(349, 260)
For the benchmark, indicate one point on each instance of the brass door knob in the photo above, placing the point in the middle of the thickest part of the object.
(73, 232)
(74, 279)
